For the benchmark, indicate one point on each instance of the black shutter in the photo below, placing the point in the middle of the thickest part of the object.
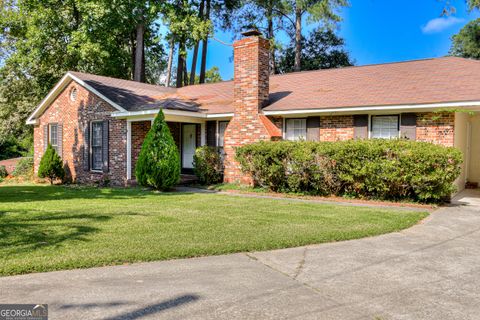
(212, 133)
(408, 126)
(60, 139)
(313, 128)
(45, 137)
(105, 145)
(86, 147)
(360, 124)
(198, 138)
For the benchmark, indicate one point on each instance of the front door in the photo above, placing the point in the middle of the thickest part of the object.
(189, 144)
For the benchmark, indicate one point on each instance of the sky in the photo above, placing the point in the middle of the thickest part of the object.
(377, 31)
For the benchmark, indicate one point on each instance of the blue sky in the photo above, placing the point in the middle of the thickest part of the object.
(378, 31)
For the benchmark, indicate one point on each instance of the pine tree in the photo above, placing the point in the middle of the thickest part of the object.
(51, 165)
(158, 164)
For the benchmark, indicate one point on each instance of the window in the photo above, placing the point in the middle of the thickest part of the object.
(53, 136)
(222, 126)
(73, 94)
(296, 129)
(385, 127)
(96, 143)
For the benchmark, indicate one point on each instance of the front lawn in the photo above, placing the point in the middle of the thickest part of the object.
(44, 228)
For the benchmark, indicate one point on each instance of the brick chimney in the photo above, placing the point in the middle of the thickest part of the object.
(251, 90)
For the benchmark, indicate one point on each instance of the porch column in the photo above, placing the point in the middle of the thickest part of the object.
(129, 150)
(202, 134)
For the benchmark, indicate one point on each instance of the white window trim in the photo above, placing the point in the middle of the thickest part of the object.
(90, 158)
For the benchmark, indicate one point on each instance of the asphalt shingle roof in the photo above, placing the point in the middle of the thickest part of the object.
(448, 79)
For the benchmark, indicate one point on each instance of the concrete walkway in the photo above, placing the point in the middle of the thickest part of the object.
(430, 271)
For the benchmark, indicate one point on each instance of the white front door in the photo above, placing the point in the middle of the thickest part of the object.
(189, 144)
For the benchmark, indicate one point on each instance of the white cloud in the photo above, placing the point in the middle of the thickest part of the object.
(440, 24)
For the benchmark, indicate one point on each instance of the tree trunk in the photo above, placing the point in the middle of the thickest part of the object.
(170, 62)
(298, 38)
(193, 71)
(203, 67)
(270, 37)
(180, 64)
(132, 43)
(185, 72)
(139, 73)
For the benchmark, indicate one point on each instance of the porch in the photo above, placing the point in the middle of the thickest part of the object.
(188, 136)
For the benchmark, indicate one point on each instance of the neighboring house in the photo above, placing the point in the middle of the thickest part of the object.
(98, 124)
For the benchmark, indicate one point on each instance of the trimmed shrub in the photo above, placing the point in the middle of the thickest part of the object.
(378, 169)
(208, 165)
(51, 166)
(24, 168)
(3, 172)
(158, 164)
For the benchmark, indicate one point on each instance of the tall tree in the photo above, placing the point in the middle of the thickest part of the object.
(211, 76)
(264, 16)
(318, 11)
(186, 28)
(467, 42)
(203, 64)
(321, 49)
(193, 69)
(41, 40)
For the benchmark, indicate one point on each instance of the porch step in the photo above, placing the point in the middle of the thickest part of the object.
(187, 179)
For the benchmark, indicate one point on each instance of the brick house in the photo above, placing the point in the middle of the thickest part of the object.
(97, 124)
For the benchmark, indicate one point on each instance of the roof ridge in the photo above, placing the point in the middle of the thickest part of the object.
(132, 81)
(374, 65)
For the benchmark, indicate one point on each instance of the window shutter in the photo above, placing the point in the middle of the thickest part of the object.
(313, 128)
(86, 147)
(212, 133)
(198, 137)
(360, 124)
(105, 146)
(60, 139)
(45, 137)
(408, 126)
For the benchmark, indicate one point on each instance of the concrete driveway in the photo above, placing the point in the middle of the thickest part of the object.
(431, 271)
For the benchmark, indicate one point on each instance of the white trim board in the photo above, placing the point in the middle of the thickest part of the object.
(463, 104)
(66, 79)
(131, 114)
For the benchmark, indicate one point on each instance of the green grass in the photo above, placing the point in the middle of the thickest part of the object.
(44, 228)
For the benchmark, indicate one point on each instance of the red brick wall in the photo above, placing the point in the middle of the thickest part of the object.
(436, 128)
(336, 128)
(74, 116)
(251, 90)
(139, 131)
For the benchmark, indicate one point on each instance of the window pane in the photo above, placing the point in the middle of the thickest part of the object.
(97, 131)
(97, 134)
(97, 158)
(385, 127)
(296, 129)
(53, 135)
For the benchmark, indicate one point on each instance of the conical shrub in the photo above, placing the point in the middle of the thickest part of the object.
(51, 166)
(158, 165)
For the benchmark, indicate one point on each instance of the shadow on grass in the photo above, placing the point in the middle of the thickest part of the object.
(24, 235)
(45, 193)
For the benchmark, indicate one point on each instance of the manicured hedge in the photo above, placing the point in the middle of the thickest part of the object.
(377, 169)
(208, 165)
